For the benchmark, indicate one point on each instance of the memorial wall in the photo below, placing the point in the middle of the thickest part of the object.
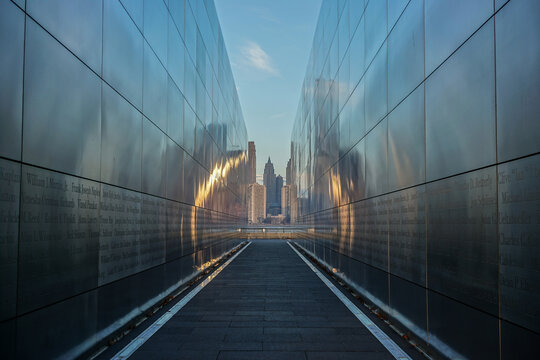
(416, 156)
(122, 164)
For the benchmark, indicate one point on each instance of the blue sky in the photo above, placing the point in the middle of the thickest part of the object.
(268, 42)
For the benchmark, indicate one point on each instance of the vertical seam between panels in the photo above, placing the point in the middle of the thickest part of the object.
(21, 170)
(426, 194)
(499, 321)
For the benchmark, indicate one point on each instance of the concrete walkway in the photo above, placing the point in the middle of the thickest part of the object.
(267, 304)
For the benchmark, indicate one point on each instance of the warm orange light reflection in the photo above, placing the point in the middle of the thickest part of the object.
(206, 265)
(218, 174)
(205, 190)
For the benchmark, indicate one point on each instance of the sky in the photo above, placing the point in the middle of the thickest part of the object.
(268, 42)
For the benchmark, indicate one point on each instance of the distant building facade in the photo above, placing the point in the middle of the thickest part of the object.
(279, 186)
(252, 163)
(256, 203)
(288, 173)
(269, 180)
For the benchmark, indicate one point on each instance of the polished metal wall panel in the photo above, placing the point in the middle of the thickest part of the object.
(121, 141)
(190, 80)
(356, 53)
(175, 113)
(153, 231)
(460, 115)
(395, 9)
(376, 160)
(156, 27)
(120, 228)
(357, 158)
(412, 313)
(176, 7)
(407, 234)
(190, 179)
(76, 24)
(59, 237)
(8, 333)
(375, 27)
(62, 108)
(11, 79)
(406, 148)
(478, 338)
(175, 171)
(175, 54)
(190, 122)
(10, 183)
(155, 88)
(376, 89)
(374, 240)
(462, 238)
(519, 229)
(406, 52)
(356, 106)
(517, 26)
(50, 332)
(356, 10)
(516, 342)
(122, 53)
(135, 10)
(154, 159)
(175, 225)
(449, 24)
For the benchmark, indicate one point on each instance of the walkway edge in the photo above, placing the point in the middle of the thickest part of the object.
(136, 343)
(388, 343)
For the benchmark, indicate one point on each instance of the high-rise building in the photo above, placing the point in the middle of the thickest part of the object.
(252, 163)
(269, 180)
(279, 185)
(256, 202)
(288, 174)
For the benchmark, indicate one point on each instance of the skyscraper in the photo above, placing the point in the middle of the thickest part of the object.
(279, 185)
(269, 180)
(252, 163)
(256, 203)
(288, 175)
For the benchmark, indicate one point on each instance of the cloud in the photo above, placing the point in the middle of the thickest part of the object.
(256, 57)
(278, 115)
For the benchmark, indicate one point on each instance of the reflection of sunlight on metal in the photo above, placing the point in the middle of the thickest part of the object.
(205, 189)
(218, 174)
(339, 196)
(206, 265)
(403, 167)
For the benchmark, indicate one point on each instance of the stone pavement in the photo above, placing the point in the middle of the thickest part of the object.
(267, 304)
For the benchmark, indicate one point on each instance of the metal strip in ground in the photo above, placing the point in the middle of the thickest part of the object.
(388, 343)
(136, 343)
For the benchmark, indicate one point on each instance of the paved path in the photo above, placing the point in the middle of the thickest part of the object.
(267, 304)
